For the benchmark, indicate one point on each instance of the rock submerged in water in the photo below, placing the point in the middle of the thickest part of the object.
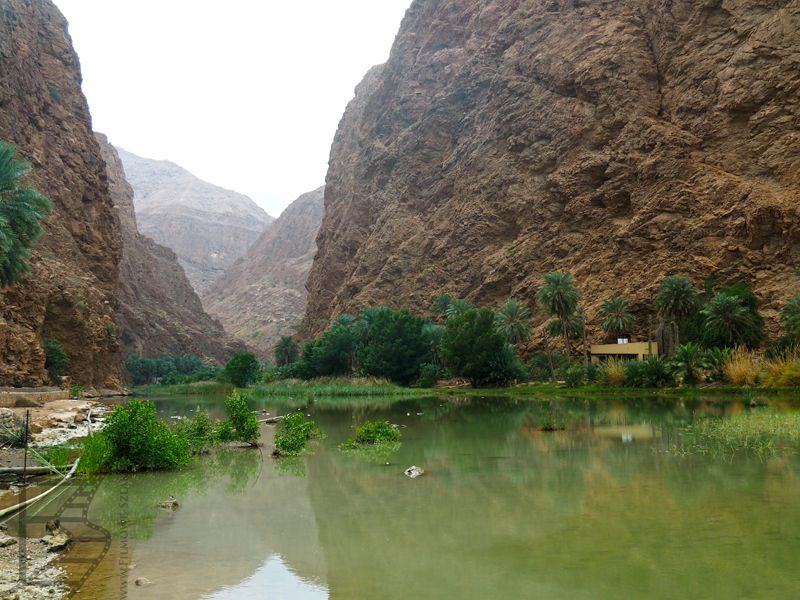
(142, 582)
(171, 504)
(7, 540)
(413, 472)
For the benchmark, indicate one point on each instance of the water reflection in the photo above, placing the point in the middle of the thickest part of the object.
(570, 498)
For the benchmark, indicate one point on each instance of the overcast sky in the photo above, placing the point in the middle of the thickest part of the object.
(245, 94)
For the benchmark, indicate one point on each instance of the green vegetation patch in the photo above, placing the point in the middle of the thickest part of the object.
(293, 434)
(764, 433)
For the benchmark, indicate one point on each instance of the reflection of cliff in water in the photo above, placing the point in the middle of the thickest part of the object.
(238, 520)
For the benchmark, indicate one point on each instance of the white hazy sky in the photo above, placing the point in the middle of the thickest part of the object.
(246, 94)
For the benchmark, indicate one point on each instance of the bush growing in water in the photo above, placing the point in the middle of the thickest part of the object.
(134, 439)
(372, 433)
(241, 424)
(199, 431)
(574, 376)
(293, 434)
(56, 360)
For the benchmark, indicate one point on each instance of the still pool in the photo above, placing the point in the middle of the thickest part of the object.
(560, 499)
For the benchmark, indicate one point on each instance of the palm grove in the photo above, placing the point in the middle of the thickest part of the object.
(702, 334)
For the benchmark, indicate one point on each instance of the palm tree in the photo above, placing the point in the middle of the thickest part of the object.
(688, 362)
(727, 319)
(559, 296)
(21, 210)
(676, 300)
(790, 317)
(286, 351)
(615, 316)
(514, 322)
(457, 307)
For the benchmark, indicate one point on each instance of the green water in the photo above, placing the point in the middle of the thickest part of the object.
(598, 509)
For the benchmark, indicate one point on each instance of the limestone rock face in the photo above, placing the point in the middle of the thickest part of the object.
(69, 294)
(208, 227)
(621, 140)
(263, 297)
(158, 310)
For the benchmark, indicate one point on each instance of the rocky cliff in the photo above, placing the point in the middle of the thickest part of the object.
(263, 295)
(68, 295)
(158, 311)
(621, 140)
(208, 227)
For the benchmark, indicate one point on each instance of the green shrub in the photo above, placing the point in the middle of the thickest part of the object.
(75, 390)
(574, 376)
(592, 373)
(56, 360)
(95, 454)
(634, 374)
(539, 367)
(655, 373)
(428, 376)
(242, 423)
(58, 456)
(199, 431)
(293, 433)
(373, 432)
(134, 439)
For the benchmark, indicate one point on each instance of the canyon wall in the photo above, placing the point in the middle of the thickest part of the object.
(208, 227)
(263, 297)
(620, 140)
(158, 311)
(68, 296)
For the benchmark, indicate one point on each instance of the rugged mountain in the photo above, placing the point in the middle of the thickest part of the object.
(208, 227)
(263, 295)
(621, 140)
(158, 311)
(69, 294)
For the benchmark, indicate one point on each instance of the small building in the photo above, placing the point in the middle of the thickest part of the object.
(624, 349)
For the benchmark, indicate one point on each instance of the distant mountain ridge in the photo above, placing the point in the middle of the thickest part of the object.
(263, 295)
(157, 312)
(207, 226)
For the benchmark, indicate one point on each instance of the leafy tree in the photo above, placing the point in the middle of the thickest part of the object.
(615, 316)
(559, 297)
(396, 347)
(344, 320)
(677, 300)
(790, 317)
(21, 210)
(473, 348)
(730, 322)
(433, 334)
(287, 351)
(242, 369)
(56, 360)
(330, 355)
(514, 322)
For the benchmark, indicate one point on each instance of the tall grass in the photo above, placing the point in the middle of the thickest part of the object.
(334, 387)
(782, 371)
(613, 372)
(743, 368)
(764, 433)
(200, 388)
